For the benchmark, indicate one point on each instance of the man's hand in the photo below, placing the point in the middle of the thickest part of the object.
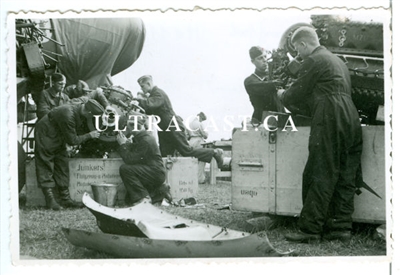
(141, 95)
(109, 108)
(280, 93)
(71, 150)
(121, 138)
(94, 134)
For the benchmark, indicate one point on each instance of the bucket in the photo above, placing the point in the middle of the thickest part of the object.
(105, 193)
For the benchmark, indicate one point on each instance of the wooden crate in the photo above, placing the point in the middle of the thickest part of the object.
(182, 177)
(267, 177)
(84, 172)
(250, 171)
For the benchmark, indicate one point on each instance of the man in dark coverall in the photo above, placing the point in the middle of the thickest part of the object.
(323, 90)
(259, 90)
(61, 127)
(158, 103)
(143, 172)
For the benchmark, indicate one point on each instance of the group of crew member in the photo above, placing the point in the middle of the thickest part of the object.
(61, 127)
(322, 90)
(62, 115)
(144, 170)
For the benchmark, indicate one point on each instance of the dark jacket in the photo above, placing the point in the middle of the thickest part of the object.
(323, 91)
(48, 100)
(158, 104)
(143, 150)
(96, 94)
(262, 94)
(69, 123)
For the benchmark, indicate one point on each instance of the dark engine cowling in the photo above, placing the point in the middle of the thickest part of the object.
(121, 106)
(359, 45)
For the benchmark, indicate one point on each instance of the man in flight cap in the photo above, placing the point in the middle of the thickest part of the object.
(158, 103)
(261, 96)
(53, 96)
(81, 93)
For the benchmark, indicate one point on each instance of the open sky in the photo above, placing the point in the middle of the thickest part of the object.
(200, 59)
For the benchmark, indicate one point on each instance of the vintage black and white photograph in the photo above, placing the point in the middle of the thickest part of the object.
(201, 134)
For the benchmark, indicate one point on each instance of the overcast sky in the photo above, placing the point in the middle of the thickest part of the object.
(200, 59)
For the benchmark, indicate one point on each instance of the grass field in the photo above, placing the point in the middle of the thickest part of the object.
(41, 236)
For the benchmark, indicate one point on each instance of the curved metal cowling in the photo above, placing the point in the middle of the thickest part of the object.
(124, 237)
(285, 43)
(255, 245)
(97, 48)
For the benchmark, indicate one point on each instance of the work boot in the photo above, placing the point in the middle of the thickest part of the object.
(66, 200)
(160, 193)
(341, 235)
(51, 202)
(302, 237)
(218, 157)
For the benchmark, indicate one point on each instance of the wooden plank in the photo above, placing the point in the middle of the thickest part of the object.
(213, 171)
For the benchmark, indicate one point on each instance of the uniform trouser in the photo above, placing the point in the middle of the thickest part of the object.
(139, 180)
(195, 142)
(176, 140)
(257, 115)
(50, 156)
(329, 186)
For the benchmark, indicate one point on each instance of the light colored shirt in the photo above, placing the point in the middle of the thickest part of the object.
(197, 129)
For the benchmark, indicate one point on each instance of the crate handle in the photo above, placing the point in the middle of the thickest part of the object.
(250, 164)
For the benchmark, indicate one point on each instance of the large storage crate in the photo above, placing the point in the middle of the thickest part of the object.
(267, 172)
(84, 172)
(181, 176)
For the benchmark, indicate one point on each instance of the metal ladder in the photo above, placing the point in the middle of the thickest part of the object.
(28, 127)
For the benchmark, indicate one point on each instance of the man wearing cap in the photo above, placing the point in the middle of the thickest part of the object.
(158, 103)
(323, 90)
(197, 135)
(257, 87)
(53, 96)
(143, 173)
(82, 91)
(63, 126)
